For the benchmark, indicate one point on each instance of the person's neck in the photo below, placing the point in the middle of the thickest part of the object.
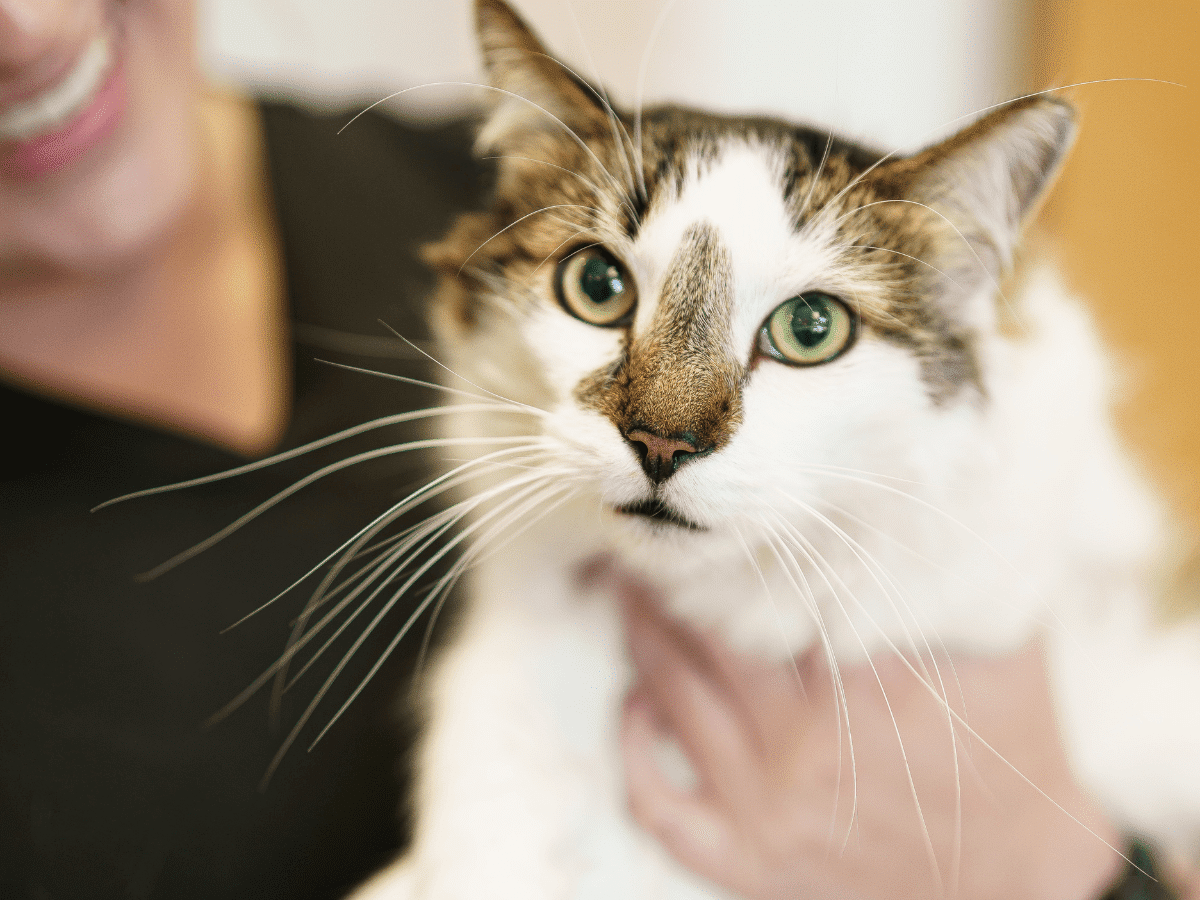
(192, 336)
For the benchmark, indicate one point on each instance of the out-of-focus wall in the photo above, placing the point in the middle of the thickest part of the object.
(1126, 215)
(893, 72)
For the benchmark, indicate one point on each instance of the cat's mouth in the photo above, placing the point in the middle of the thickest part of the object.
(657, 511)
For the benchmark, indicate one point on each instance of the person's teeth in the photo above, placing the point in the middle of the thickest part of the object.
(50, 109)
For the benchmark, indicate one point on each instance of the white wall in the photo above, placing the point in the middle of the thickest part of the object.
(893, 73)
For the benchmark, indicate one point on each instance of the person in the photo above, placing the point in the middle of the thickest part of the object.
(807, 789)
(172, 260)
(176, 262)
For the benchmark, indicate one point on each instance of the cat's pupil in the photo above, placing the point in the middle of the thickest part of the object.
(601, 280)
(810, 322)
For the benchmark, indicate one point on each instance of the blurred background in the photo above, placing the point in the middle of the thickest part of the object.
(895, 73)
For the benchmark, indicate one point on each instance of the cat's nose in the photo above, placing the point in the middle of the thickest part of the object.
(661, 456)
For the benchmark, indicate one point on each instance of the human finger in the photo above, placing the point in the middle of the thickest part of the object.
(690, 827)
(675, 678)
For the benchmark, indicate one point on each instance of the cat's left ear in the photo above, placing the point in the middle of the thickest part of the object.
(987, 180)
(536, 94)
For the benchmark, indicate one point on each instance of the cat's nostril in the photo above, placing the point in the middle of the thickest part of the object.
(661, 456)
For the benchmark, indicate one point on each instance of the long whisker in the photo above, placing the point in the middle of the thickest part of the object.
(491, 87)
(516, 222)
(978, 112)
(995, 283)
(804, 590)
(460, 568)
(304, 482)
(469, 470)
(866, 472)
(587, 181)
(441, 365)
(825, 570)
(431, 489)
(915, 259)
(435, 525)
(399, 636)
(1056, 619)
(345, 434)
(812, 186)
(869, 563)
(640, 92)
(961, 720)
(568, 240)
(895, 541)
(443, 521)
(873, 569)
(370, 628)
(792, 571)
(620, 136)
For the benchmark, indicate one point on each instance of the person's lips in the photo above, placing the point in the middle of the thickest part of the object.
(50, 130)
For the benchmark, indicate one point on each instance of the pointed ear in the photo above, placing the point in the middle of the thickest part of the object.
(987, 179)
(535, 87)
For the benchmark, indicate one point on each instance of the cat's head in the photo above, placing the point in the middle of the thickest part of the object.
(713, 308)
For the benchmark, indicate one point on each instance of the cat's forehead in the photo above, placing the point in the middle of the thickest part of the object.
(737, 191)
(786, 217)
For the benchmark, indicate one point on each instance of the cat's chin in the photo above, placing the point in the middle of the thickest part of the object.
(658, 516)
(659, 541)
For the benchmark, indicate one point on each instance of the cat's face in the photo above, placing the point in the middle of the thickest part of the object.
(717, 313)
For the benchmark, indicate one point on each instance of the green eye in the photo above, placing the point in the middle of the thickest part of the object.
(809, 329)
(594, 287)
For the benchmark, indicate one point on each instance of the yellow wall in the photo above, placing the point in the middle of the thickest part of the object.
(1126, 213)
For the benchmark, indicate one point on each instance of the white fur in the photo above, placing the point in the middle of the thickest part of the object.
(989, 520)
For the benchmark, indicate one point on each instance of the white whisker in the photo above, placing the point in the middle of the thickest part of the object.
(870, 564)
(640, 91)
(587, 181)
(620, 136)
(804, 591)
(432, 529)
(489, 87)
(436, 524)
(361, 639)
(516, 222)
(826, 570)
(345, 434)
(387, 652)
(446, 368)
(304, 482)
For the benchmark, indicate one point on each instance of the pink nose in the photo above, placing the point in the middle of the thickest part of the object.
(661, 456)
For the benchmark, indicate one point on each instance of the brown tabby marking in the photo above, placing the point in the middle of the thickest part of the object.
(683, 375)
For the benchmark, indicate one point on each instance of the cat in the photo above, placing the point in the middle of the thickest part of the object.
(781, 378)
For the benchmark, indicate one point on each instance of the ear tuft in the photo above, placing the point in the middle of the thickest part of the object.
(534, 89)
(988, 178)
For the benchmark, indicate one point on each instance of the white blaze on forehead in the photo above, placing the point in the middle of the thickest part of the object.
(740, 194)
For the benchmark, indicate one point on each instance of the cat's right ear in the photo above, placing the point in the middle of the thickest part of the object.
(983, 185)
(534, 93)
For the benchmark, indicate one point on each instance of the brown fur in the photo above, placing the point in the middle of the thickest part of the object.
(681, 378)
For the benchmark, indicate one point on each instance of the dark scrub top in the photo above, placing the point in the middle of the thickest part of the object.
(110, 786)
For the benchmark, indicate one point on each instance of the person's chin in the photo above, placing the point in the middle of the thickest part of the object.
(132, 197)
(145, 179)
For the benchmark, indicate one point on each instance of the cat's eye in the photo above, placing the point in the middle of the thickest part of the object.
(594, 287)
(809, 329)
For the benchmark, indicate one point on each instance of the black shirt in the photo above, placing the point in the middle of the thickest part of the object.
(110, 786)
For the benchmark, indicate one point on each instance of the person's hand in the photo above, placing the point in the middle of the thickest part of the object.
(791, 801)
